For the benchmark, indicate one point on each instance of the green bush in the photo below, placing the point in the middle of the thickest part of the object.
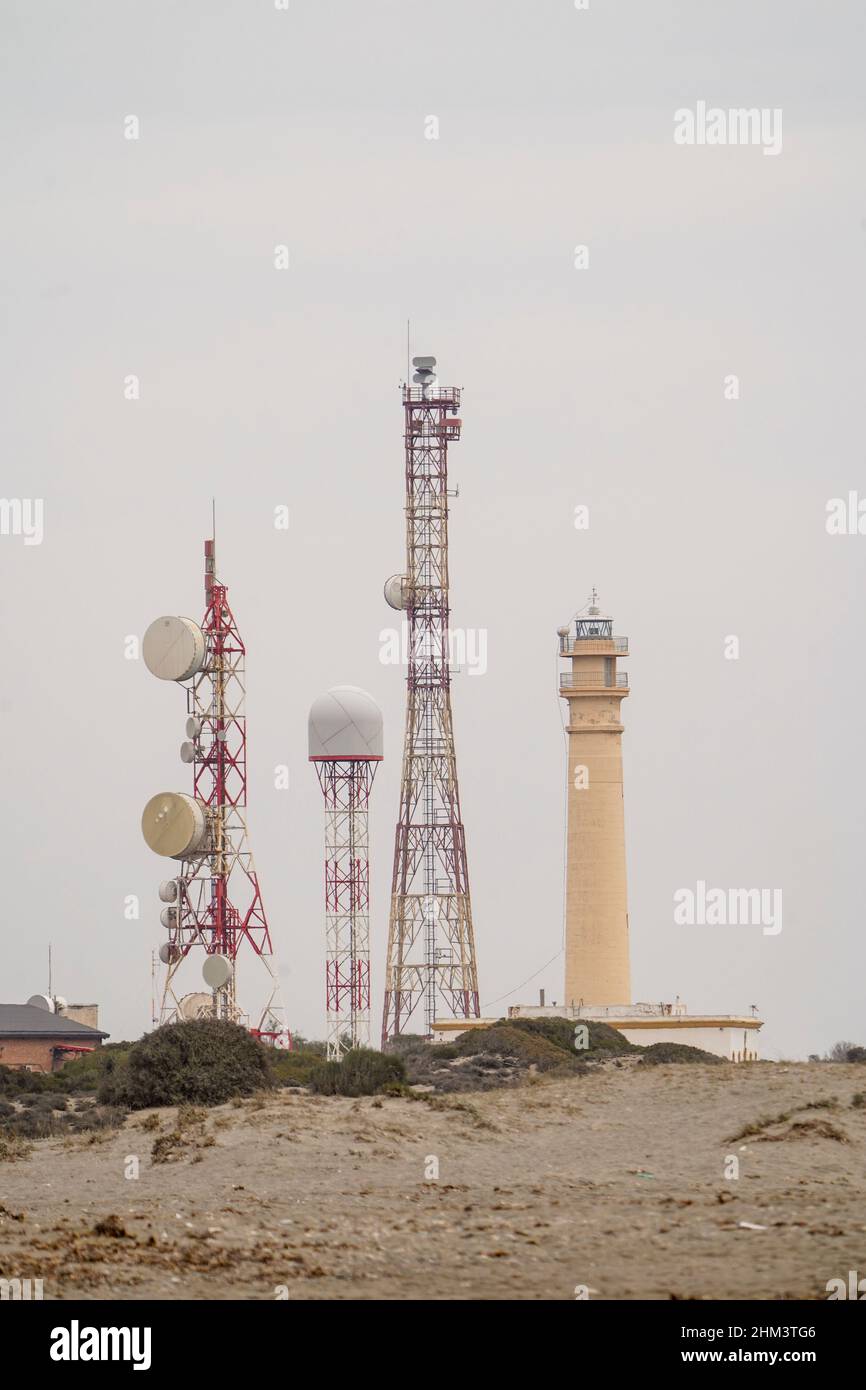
(309, 1045)
(80, 1074)
(17, 1082)
(677, 1052)
(294, 1068)
(526, 1045)
(560, 1031)
(85, 1073)
(204, 1061)
(362, 1072)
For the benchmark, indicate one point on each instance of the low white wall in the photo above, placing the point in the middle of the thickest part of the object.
(737, 1044)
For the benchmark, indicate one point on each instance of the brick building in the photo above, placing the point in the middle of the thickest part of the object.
(37, 1040)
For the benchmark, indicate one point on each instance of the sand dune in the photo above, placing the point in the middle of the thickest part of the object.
(613, 1181)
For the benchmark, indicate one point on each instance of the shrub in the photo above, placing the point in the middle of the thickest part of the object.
(407, 1042)
(310, 1045)
(85, 1073)
(294, 1068)
(81, 1074)
(677, 1052)
(12, 1149)
(846, 1052)
(362, 1072)
(15, 1082)
(560, 1031)
(205, 1061)
(524, 1044)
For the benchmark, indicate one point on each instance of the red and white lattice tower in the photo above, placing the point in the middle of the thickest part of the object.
(213, 906)
(345, 742)
(431, 965)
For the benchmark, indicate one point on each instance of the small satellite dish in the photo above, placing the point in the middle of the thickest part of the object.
(60, 1004)
(427, 363)
(395, 591)
(168, 890)
(222, 735)
(168, 917)
(169, 953)
(217, 971)
(424, 378)
(187, 752)
(193, 727)
(41, 1001)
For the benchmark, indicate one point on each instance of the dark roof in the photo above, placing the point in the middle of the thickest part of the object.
(26, 1021)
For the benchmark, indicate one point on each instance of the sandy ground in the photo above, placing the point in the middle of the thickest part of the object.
(614, 1181)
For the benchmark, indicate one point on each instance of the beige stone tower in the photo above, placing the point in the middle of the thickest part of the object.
(596, 905)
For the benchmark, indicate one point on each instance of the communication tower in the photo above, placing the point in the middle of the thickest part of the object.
(213, 904)
(431, 968)
(345, 741)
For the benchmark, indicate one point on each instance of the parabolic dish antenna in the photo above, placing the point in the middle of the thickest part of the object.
(41, 1001)
(395, 591)
(217, 971)
(173, 648)
(196, 1006)
(169, 953)
(174, 825)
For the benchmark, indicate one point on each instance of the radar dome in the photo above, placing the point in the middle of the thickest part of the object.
(345, 723)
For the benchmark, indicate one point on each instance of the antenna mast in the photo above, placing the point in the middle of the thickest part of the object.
(214, 902)
(431, 944)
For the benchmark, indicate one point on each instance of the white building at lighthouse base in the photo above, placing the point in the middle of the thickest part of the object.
(732, 1036)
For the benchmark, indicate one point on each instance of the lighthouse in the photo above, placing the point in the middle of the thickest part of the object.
(597, 979)
(596, 902)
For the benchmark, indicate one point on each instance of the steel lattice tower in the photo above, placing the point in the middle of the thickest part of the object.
(345, 740)
(216, 902)
(431, 944)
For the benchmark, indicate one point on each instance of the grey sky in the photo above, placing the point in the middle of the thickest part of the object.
(602, 386)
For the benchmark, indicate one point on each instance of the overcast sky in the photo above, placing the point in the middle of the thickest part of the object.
(602, 386)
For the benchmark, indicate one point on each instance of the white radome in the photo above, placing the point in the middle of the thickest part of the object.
(345, 722)
(173, 648)
(395, 591)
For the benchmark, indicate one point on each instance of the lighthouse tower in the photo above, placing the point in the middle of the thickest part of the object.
(597, 983)
(596, 905)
